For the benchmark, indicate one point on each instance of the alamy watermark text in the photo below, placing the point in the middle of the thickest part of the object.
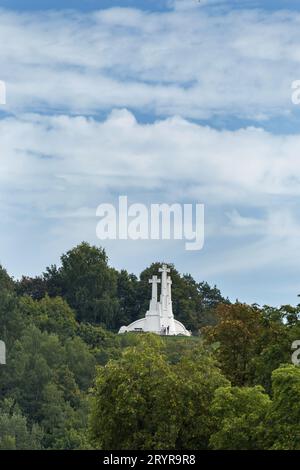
(156, 222)
(2, 92)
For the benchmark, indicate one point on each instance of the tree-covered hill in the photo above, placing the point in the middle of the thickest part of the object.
(101, 295)
(71, 382)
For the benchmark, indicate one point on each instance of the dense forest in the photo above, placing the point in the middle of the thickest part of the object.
(71, 382)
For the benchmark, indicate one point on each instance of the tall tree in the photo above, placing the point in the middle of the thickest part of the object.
(237, 331)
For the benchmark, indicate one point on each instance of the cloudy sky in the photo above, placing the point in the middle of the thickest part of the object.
(162, 101)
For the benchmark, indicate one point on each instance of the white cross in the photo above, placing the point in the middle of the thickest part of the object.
(154, 281)
(2, 353)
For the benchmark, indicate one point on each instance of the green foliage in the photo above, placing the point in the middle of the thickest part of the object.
(236, 331)
(80, 361)
(51, 314)
(150, 392)
(100, 295)
(93, 335)
(6, 283)
(142, 401)
(247, 418)
(88, 284)
(284, 415)
(12, 321)
(134, 401)
(47, 377)
(240, 418)
(198, 379)
(15, 433)
(127, 292)
(253, 341)
(36, 287)
(273, 347)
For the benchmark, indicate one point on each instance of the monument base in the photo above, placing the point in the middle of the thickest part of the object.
(142, 325)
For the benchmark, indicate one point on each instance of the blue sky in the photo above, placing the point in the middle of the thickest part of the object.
(163, 101)
(153, 5)
(87, 5)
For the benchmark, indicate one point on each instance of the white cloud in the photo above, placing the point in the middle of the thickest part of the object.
(249, 166)
(60, 168)
(191, 63)
(268, 243)
(187, 63)
(55, 170)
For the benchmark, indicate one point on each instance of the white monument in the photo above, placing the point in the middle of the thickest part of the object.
(159, 318)
(2, 353)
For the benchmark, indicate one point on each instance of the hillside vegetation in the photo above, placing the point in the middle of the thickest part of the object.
(71, 382)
